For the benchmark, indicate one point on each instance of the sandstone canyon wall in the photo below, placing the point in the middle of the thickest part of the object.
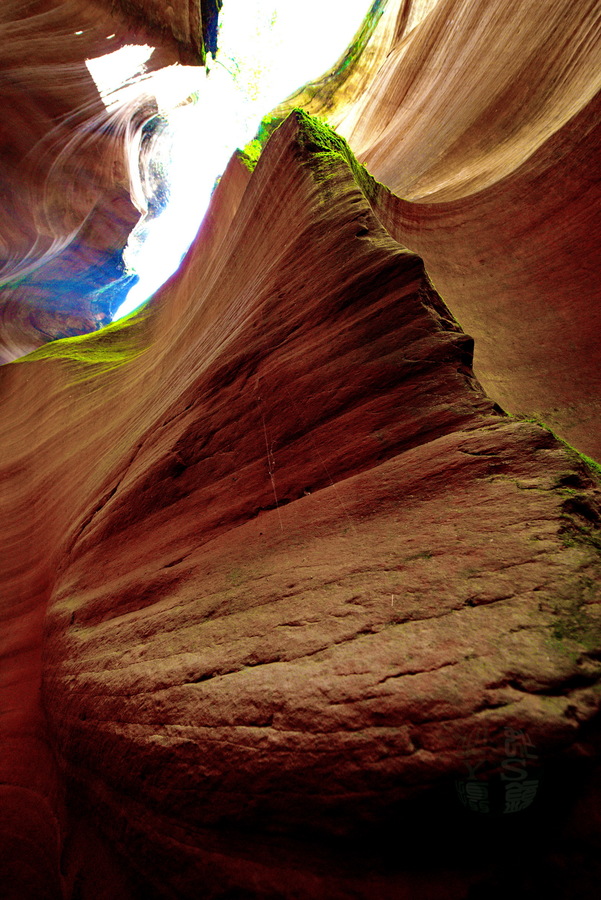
(484, 115)
(274, 566)
(66, 176)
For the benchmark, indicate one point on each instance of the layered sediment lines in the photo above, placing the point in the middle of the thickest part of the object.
(484, 116)
(517, 264)
(188, 26)
(66, 209)
(481, 117)
(273, 554)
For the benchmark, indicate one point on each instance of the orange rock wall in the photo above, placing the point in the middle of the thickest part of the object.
(275, 553)
(270, 553)
(483, 117)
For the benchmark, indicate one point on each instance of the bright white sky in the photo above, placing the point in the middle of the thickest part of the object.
(267, 49)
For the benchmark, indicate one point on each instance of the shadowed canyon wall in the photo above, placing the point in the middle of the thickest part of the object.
(278, 576)
(66, 212)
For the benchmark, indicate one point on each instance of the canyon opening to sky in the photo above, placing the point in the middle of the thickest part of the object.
(300, 557)
(266, 50)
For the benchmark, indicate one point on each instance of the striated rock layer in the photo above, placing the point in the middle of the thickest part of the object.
(66, 208)
(274, 557)
(189, 25)
(483, 116)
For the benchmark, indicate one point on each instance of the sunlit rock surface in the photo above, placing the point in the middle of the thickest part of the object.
(480, 114)
(191, 25)
(273, 555)
(484, 116)
(275, 569)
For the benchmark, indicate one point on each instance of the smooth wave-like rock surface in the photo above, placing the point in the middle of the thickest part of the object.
(483, 116)
(480, 115)
(66, 209)
(189, 25)
(272, 556)
(278, 576)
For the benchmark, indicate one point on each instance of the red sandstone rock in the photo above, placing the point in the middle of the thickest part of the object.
(483, 115)
(285, 556)
(66, 209)
(189, 25)
(270, 555)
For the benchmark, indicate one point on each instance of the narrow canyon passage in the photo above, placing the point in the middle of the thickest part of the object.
(293, 605)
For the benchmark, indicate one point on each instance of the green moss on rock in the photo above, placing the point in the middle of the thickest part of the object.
(320, 142)
(108, 348)
(592, 467)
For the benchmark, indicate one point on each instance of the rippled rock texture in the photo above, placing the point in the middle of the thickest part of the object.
(483, 116)
(280, 580)
(275, 557)
(65, 181)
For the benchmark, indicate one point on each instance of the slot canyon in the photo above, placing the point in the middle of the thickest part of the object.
(300, 571)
